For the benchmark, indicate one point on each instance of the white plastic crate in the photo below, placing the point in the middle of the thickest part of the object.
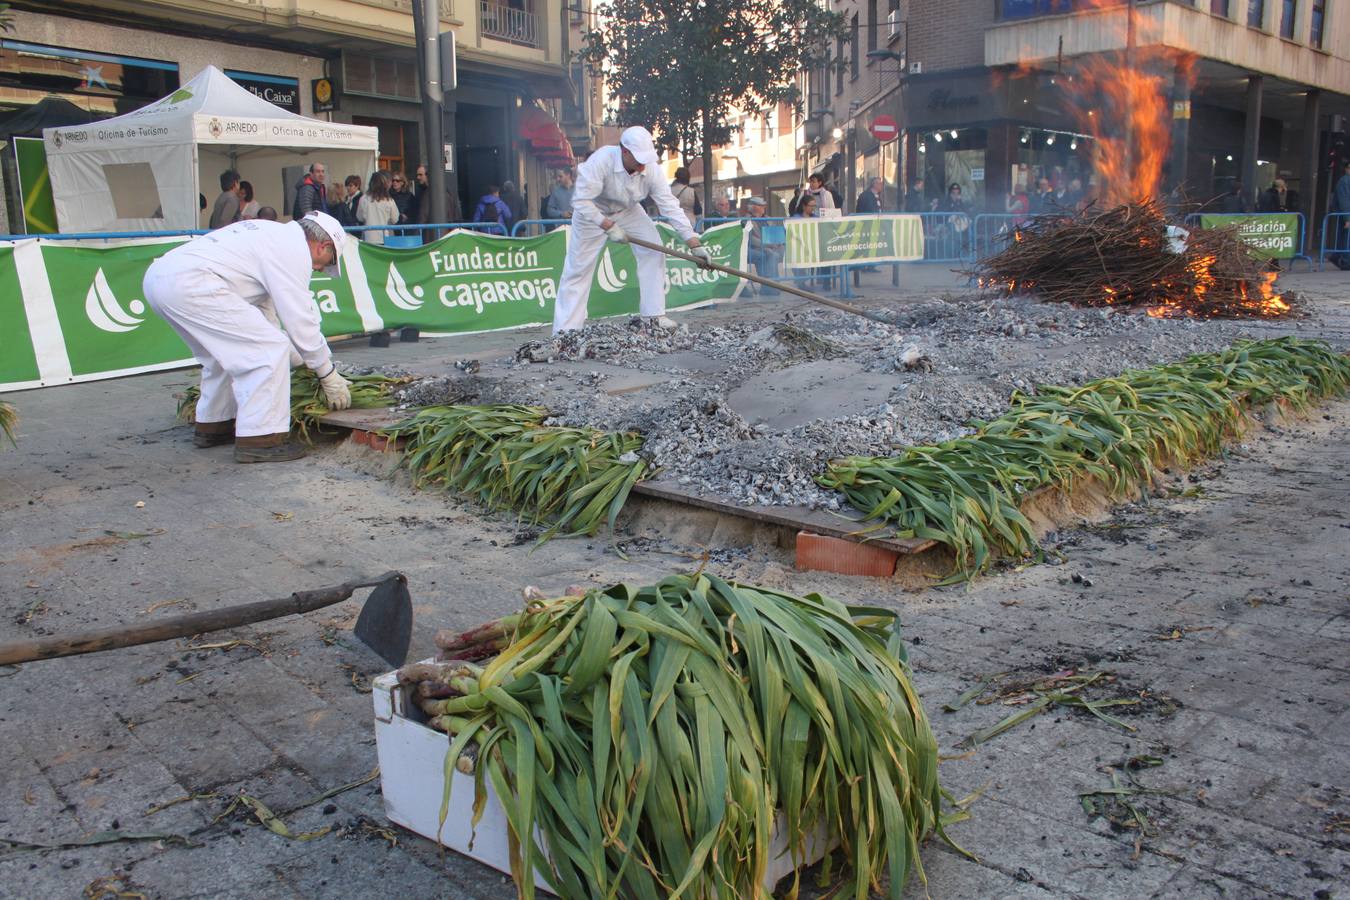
(412, 778)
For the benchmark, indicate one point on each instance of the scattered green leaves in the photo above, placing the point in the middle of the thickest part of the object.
(507, 458)
(967, 493)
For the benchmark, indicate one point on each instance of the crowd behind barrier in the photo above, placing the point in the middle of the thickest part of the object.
(949, 237)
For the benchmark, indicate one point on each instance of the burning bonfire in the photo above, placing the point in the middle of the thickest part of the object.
(1129, 256)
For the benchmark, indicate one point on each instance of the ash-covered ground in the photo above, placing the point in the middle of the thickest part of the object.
(752, 407)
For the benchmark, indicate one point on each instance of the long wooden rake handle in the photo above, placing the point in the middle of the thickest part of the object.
(782, 286)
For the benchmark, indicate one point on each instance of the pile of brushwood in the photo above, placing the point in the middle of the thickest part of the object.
(967, 493)
(573, 479)
(1124, 256)
(663, 739)
(307, 398)
(9, 420)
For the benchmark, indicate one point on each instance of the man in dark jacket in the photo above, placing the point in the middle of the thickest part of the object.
(491, 208)
(311, 195)
(915, 202)
(869, 202)
(345, 211)
(1234, 203)
(1278, 199)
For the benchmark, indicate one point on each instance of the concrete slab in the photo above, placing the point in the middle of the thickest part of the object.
(827, 388)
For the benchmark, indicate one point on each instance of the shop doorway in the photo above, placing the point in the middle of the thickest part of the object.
(481, 151)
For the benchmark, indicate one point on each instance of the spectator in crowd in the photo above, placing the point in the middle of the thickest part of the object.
(1074, 195)
(1042, 200)
(914, 198)
(685, 195)
(311, 195)
(558, 204)
(1278, 198)
(267, 213)
(1018, 205)
(1234, 201)
(401, 193)
(515, 204)
(764, 257)
(421, 191)
(721, 207)
(824, 199)
(226, 209)
(870, 201)
(377, 207)
(491, 208)
(345, 212)
(248, 207)
(955, 202)
(806, 207)
(1340, 203)
(955, 226)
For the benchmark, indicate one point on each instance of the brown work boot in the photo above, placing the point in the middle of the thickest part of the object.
(213, 434)
(267, 448)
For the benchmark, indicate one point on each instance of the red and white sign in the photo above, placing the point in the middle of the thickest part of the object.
(884, 128)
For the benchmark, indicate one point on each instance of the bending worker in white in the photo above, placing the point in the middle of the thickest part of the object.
(223, 293)
(610, 185)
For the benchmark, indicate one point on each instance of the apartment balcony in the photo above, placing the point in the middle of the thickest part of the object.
(513, 25)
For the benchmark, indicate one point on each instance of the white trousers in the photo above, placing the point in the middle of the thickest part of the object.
(244, 358)
(584, 246)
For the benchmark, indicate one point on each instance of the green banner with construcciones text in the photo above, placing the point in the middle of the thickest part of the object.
(812, 243)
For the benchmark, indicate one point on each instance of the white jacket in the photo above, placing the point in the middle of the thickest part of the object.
(258, 259)
(605, 189)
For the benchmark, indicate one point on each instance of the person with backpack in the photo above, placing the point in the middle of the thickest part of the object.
(491, 208)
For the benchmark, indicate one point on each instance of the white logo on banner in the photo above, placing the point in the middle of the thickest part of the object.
(611, 280)
(399, 294)
(102, 308)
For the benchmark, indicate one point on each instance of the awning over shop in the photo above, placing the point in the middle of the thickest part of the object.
(546, 138)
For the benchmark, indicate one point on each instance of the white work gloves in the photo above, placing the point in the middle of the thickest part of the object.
(615, 232)
(337, 391)
(269, 312)
(703, 254)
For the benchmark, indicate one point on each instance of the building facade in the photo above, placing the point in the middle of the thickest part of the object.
(1256, 89)
(101, 58)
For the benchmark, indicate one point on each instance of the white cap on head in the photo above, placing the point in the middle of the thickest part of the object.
(638, 141)
(333, 228)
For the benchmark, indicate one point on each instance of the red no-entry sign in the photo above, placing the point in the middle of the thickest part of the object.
(884, 128)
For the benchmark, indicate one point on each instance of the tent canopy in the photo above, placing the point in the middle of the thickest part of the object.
(144, 171)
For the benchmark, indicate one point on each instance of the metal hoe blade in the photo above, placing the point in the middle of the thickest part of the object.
(385, 623)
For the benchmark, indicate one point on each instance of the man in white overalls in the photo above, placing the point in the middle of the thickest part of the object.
(611, 184)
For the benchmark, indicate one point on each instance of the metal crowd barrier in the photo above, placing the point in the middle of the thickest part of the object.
(1336, 230)
(395, 231)
(1192, 220)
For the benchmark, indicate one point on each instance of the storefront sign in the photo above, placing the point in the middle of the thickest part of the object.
(77, 313)
(1267, 235)
(812, 243)
(323, 95)
(275, 89)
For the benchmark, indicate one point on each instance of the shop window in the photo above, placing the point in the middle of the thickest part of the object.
(135, 194)
(853, 49)
(1256, 13)
(1290, 9)
(1319, 18)
(102, 83)
(374, 77)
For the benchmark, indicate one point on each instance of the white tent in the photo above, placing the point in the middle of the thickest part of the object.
(143, 171)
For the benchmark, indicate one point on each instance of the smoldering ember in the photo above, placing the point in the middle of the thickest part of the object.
(761, 449)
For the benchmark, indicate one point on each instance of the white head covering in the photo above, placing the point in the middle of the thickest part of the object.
(638, 141)
(333, 228)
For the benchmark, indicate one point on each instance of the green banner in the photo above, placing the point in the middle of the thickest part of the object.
(35, 186)
(853, 239)
(105, 321)
(18, 361)
(1267, 235)
(466, 282)
(99, 325)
